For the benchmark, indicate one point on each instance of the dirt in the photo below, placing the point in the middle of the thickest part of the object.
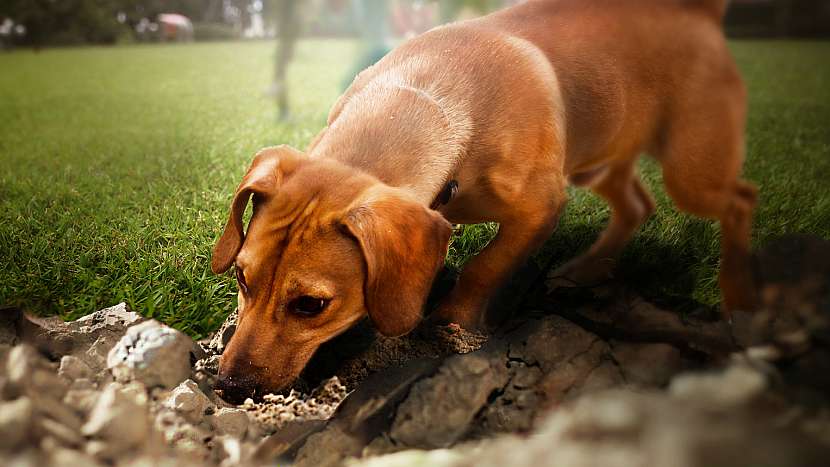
(360, 351)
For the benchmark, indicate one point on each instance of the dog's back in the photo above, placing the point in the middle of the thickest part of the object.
(623, 65)
(621, 68)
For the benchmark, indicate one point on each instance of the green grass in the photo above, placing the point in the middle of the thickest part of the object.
(117, 166)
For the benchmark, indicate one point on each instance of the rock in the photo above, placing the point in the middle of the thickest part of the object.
(115, 316)
(187, 439)
(414, 457)
(136, 391)
(118, 420)
(64, 435)
(88, 338)
(648, 364)
(284, 444)
(738, 384)
(81, 400)
(571, 359)
(62, 457)
(631, 318)
(364, 415)
(96, 355)
(82, 383)
(73, 368)
(621, 428)
(15, 422)
(29, 373)
(549, 360)
(102, 450)
(155, 354)
(4, 355)
(439, 409)
(10, 319)
(230, 421)
(205, 372)
(223, 335)
(328, 448)
(54, 409)
(234, 452)
(189, 400)
(21, 362)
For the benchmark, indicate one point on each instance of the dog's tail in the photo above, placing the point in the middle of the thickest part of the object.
(713, 8)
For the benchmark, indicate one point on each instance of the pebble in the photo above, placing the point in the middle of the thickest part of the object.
(155, 354)
(230, 421)
(73, 368)
(15, 421)
(117, 419)
(189, 400)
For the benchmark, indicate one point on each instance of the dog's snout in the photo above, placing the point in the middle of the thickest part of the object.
(236, 388)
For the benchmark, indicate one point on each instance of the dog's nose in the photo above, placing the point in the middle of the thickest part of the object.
(235, 389)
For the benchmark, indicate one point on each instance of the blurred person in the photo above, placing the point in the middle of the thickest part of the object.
(381, 20)
(410, 18)
(451, 10)
(288, 29)
(372, 18)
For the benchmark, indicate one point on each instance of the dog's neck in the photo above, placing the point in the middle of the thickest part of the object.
(406, 136)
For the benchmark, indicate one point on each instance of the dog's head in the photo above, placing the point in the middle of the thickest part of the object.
(326, 245)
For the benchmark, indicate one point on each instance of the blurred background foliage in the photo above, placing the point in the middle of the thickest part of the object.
(40, 23)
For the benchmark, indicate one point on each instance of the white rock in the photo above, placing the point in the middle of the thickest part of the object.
(117, 419)
(19, 363)
(189, 400)
(231, 450)
(113, 316)
(230, 421)
(155, 354)
(736, 385)
(73, 368)
(15, 422)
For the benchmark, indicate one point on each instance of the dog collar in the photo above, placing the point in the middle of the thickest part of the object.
(445, 195)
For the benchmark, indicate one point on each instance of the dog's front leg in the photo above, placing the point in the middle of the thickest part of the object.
(519, 235)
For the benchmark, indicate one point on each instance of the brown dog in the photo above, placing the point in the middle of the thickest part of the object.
(512, 106)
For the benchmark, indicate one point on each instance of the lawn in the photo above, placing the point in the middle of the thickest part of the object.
(117, 166)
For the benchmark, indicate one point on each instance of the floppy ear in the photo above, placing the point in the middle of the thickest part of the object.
(404, 244)
(267, 171)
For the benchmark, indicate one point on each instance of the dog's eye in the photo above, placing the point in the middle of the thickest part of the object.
(240, 279)
(307, 305)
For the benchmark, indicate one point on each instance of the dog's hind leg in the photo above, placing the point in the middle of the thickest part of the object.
(631, 205)
(701, 158)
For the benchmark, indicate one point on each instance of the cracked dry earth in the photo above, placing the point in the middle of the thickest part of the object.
(598, 378)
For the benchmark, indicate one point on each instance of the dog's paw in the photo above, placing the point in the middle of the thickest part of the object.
(584, 271)
(469, 318)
